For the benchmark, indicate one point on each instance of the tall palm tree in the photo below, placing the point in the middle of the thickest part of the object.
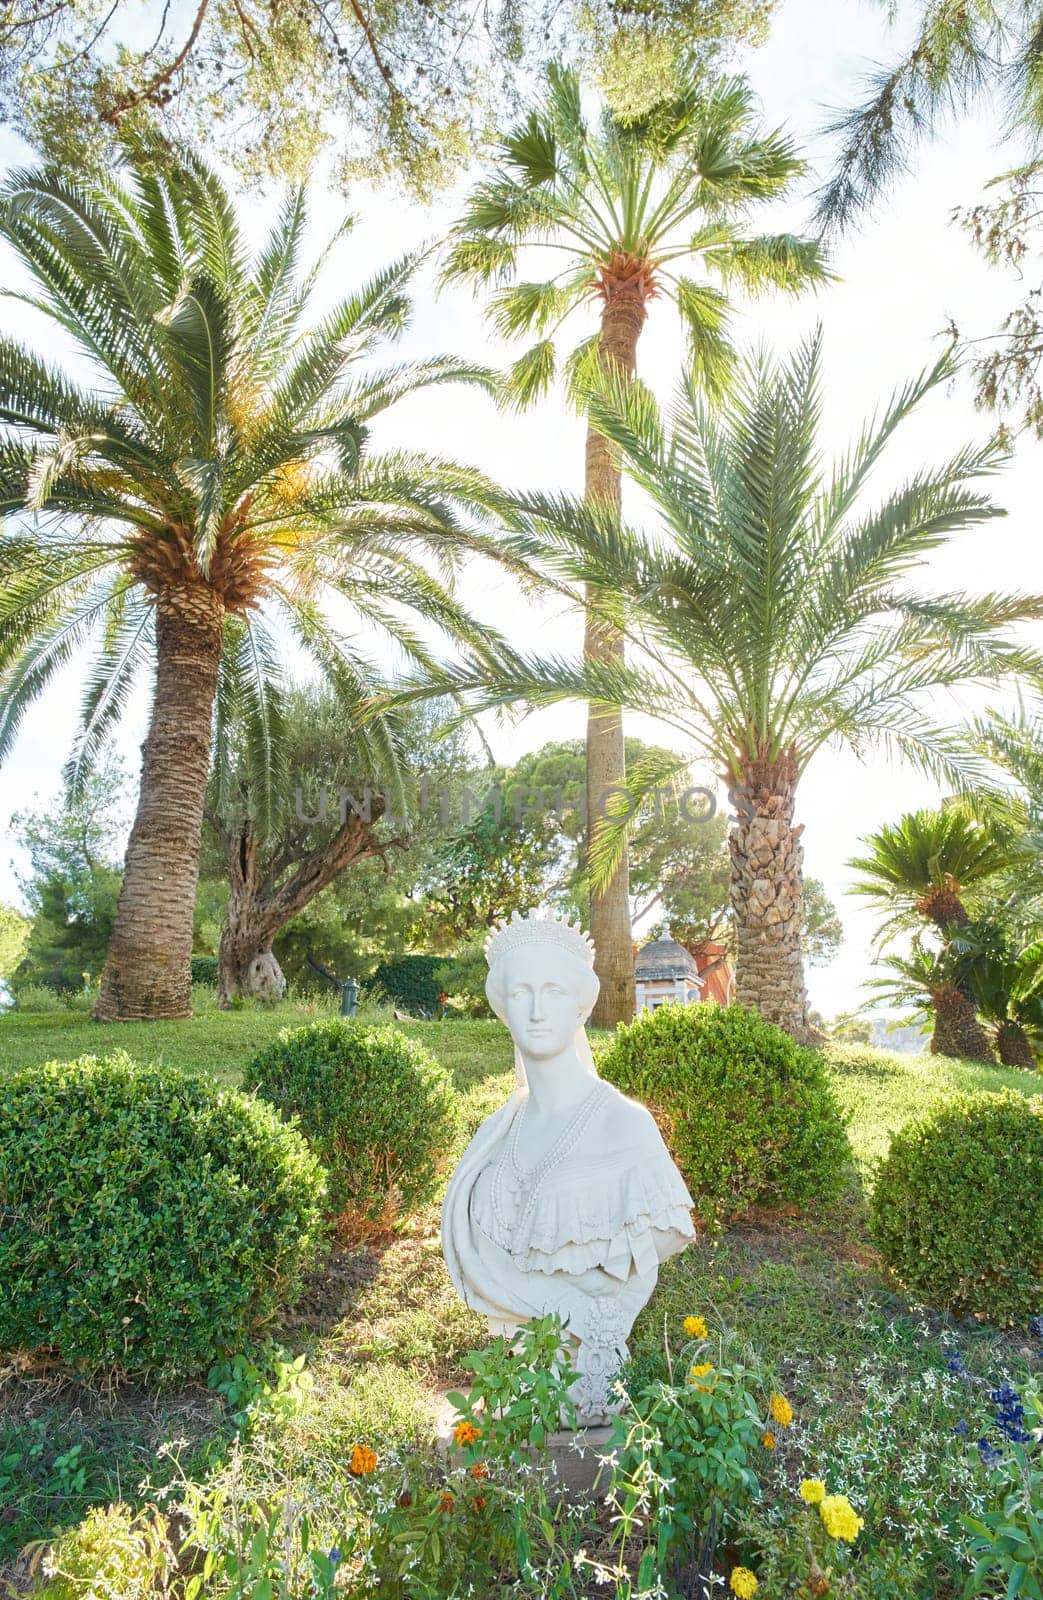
(778, 618)
(629, 212)
(199, 485)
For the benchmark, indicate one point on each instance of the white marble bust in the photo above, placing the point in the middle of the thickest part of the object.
(566, 1200)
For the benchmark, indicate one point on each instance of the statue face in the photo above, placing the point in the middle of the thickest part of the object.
(541, 1004)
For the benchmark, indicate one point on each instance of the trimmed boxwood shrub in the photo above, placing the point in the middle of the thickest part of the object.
(956, 1211)
(204, 971)
(747, 1115)
(410, 982)
(376, 1107)
(148, 1220)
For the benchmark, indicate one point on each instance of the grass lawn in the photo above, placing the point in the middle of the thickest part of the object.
(384, 1332)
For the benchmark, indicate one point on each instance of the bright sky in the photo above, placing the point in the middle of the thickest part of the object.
(902, 280)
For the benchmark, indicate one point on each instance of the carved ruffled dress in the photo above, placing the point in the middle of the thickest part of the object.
(580, 1235)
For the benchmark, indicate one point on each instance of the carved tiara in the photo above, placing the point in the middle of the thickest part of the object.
(538, 927)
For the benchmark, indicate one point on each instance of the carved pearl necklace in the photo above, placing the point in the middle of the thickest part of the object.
(532, 1178)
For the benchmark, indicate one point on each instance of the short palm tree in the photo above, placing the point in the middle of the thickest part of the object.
(919, 867)
(774, 618)
(199, 485)
(935, 982)
(1007, 984)
(628, 212)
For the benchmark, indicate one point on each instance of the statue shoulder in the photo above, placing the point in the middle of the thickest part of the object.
(631, 1121)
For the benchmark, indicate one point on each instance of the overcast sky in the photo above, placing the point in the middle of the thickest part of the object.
(903, 279)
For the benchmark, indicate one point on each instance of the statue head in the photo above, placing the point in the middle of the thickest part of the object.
(541, 982)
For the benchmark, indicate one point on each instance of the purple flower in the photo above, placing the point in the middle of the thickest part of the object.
(989, 1454)
(956, 1364)
(961, 1428)
(336, 1557)
(1010, 1413)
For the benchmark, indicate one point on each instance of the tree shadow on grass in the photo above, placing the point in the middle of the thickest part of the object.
(333, 1289)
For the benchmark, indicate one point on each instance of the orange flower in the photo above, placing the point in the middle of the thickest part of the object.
(781, 1410)
(479, 1502)
(446, 1503)
(405, 1499)
(479, 1470)
(363, 1460)
(768, 1440)
(466, 1433)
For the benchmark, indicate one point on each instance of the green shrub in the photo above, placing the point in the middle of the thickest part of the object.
(38, 1000)
(956, 1210)
(410, 983)
(462, 978)
(204, 971)
(377, 1108)
(147, 1219)
(748, 1116)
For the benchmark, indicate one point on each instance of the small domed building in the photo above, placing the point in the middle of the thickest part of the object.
(665, 971)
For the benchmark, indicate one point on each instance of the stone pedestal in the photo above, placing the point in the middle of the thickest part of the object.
(574, 1457)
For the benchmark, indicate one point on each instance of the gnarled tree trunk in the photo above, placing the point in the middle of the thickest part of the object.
(767, 897)
(265, 894)
(957, 1031)
(148, 969)
(1013, 1047)
(621, 322)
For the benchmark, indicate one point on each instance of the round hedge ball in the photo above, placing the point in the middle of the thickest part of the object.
(956, 1211)
(376, 1107)
(148, 1220)
(747, 1114)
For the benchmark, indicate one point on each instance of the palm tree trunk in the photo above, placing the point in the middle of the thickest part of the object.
(148, 970)
(621, 322)
(767, 897)
(957, 1031)
(1013, 1047)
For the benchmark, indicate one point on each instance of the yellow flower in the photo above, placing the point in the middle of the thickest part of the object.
(466, 1433)
(768, 1440)
(701, 1371)
(839, 1518)
(813, 1490)
(363, 1460)
(781, 1410)
(695, 1327)
(743, 1583)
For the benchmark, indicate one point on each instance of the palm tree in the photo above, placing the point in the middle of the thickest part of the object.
(920, 866)
(777, 619)
(199, 490)
(918, 869)
(1007, 983)
(935, 982)
(625, 210)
